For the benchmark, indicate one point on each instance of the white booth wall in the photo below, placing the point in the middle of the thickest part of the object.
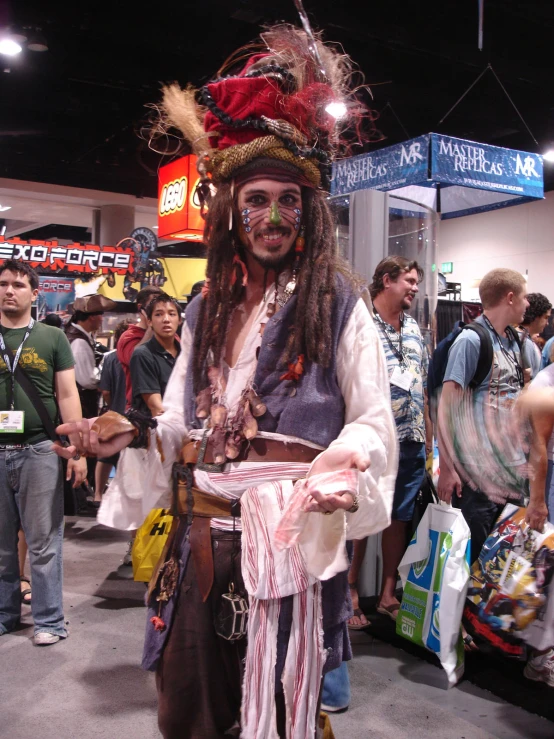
(520, 237)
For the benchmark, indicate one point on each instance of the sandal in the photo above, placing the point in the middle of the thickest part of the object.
(26, 592)
(359, 614)
(469, 644)
(390, 611)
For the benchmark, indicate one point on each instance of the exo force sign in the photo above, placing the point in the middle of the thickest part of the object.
(71, 257)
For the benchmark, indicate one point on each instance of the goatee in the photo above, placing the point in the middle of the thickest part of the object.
(276, 263)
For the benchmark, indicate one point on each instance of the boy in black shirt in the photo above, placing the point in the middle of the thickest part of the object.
(153, 362)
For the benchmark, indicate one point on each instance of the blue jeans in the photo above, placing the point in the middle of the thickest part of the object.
(336, 688)
(31, 498)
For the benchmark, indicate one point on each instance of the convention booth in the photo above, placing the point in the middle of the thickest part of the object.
(391, 201)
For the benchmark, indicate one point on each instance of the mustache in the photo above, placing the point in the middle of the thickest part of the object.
(272, 230)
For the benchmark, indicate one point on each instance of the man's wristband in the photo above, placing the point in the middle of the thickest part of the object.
(142, 423)
(355, 505)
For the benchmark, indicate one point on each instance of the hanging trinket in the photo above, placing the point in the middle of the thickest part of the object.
(203, 402)
(231, 618)
(295, 370)
(256, 404)
(168, 579)
(250, 425)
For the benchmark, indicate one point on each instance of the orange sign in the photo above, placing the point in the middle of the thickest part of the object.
(178, 208)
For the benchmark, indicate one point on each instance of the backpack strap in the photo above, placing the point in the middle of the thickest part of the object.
(486, 354)
(30, 390)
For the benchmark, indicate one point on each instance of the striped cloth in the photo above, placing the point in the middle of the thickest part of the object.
(270, 573)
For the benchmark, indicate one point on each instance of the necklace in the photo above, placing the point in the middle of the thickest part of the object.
(388, 333)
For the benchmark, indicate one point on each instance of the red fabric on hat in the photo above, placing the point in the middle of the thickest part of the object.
(241, 97)
(306, 109)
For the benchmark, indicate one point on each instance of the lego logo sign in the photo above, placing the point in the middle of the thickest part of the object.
(173, 196)
(178, 206)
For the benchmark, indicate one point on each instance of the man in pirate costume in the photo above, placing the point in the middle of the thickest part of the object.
(278, 410)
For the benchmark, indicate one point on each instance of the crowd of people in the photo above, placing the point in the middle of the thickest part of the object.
(287, 416)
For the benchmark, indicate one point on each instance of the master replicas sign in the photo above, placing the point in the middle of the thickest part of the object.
(49, 255)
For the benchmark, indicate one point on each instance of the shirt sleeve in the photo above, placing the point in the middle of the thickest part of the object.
(86, 372)
(125, 348)
(106, 375)
(463, 359)
(424, 364)
(64, 356)
(533, 356)
(144, 377)
(369, 424)
(143, 477)
(546, 352)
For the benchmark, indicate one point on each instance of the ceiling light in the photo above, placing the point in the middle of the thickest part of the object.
(548, 156)
(9, 47)
(337, 110)
(5, 207)
(37, 42)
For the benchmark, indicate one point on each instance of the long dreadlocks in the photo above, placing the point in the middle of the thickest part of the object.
(315, 285)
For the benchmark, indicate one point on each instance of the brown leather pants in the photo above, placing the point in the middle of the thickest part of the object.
(199, 677)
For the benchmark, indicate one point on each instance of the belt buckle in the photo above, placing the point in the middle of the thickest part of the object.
(204, 466)
(12, 447)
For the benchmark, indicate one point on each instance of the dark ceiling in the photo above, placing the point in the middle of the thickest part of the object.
(71, 115)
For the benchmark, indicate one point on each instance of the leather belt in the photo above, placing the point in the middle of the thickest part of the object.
(204, 508)
(257, 450)
(204, 504)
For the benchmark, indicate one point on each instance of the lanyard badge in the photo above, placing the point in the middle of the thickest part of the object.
(12, 367)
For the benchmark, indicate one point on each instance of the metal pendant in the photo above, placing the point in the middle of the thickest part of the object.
(204, 466)
(231, 618)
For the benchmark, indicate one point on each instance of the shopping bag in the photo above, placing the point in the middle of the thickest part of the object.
(149, 543)
(508, 601)
(435, 576)
(426, 495)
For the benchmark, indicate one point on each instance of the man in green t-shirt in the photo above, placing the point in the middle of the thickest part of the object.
(31, 490)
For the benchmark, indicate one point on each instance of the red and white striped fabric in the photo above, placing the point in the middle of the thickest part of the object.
(269, 575)
(295, 518)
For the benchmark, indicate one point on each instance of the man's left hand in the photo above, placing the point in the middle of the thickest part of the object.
(336, 458)
(78, 467)
(324, 503)
(536, 515)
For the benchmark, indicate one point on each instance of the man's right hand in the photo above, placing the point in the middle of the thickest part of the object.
(84, 441)
(449, 482)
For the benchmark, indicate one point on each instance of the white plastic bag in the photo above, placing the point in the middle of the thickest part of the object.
(435, 577)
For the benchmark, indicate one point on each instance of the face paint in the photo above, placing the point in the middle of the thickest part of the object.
(271, 213)
(274, 215)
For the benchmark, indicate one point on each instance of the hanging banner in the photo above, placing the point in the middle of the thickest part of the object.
(385, 169)
(466, 163)
(54, 295)
(49, 255)
(472, 177)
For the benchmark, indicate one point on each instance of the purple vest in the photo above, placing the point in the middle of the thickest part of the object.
(316, 411)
